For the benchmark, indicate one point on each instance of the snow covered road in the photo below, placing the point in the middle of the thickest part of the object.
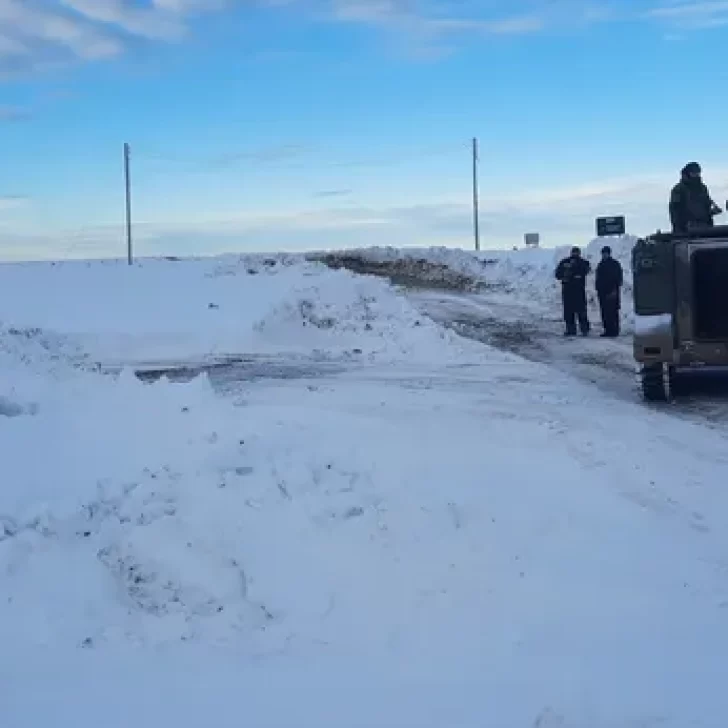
(500, 321)
(535, 334)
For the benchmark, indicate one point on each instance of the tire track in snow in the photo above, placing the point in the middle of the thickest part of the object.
(527, 331)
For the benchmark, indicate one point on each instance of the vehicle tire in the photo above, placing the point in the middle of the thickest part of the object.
(652, 378)
(679, 384)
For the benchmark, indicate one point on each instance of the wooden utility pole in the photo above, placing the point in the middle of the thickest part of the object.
(476, 213)
(127, 182)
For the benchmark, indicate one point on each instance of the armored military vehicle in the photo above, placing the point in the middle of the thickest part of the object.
(681, 307)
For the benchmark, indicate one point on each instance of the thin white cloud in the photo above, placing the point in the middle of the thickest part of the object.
(436, 18)
(692, 14)
(502, 26)
(39, 33)
(12, 202)
(563, 216)
(36, 34)
(162, 22)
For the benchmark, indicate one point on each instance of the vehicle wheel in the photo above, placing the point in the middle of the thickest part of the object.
(679, 384)
(654, 384)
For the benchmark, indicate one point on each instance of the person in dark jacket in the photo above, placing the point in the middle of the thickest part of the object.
(690, 202)
(572, 273)
(608, 282)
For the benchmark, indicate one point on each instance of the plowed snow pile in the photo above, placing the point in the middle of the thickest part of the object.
(66, 322)
(163, 312)
(526, 274)
(438, 536)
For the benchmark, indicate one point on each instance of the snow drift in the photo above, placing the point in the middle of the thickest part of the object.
(163, 312)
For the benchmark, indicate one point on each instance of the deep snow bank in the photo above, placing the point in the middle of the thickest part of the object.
(65, 425)
(529, 274)
(69, 433)
(162, 311)
(32, 363)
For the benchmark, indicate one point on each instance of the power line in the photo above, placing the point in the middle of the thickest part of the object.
(289, 157)
(274, 156)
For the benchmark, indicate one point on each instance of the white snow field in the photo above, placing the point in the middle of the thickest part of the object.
(406, 529)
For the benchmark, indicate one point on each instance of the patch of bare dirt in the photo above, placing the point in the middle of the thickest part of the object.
(407, 272)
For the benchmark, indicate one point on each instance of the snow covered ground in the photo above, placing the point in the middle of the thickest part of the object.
(440, 534)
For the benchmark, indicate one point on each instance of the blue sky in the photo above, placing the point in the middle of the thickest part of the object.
(295, 124)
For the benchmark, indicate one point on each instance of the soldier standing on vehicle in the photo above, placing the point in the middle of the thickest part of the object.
(690, 203)
(572, 273)
(608, 282)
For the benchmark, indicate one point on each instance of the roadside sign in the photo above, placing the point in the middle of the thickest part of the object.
(532, 239)
(610, 226)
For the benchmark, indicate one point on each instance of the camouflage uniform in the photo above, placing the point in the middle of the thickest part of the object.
(690, 202)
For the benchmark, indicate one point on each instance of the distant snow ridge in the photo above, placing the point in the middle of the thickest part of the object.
(526, 269)
(513, 269)
(234, 265)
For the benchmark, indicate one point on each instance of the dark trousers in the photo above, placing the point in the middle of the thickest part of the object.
(609, 305)
(574, 300)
